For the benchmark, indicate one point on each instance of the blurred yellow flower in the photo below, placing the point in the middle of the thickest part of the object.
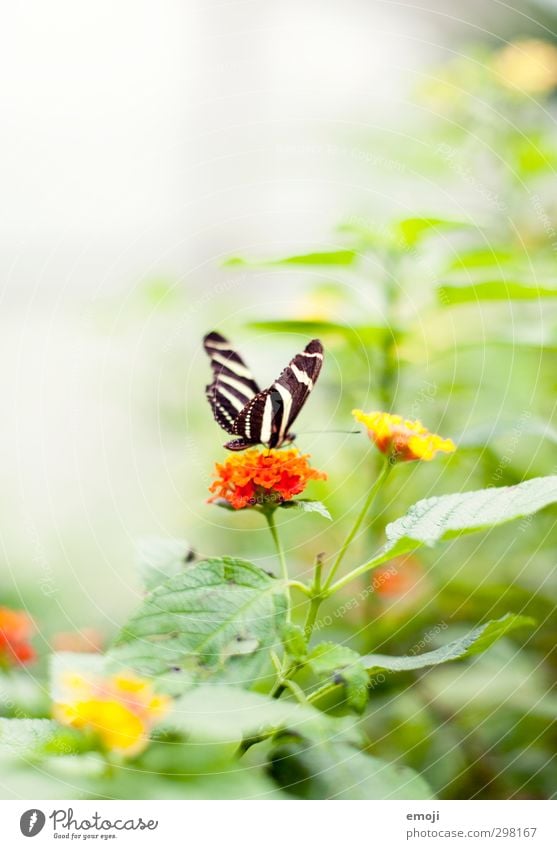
(528, 65)
(403, 439)
(120, 709)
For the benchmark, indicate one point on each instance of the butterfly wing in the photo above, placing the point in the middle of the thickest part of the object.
(295, 385)
(267, 418)
(233, 386)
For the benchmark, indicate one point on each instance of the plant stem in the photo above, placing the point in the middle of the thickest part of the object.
(311, 618)
(316, 597)
(270, 517)
(374, 489)
(381, 557)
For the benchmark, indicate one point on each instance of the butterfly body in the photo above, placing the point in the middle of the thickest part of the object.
(252, 415)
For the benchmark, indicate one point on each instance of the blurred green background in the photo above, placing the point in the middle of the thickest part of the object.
(383, 178)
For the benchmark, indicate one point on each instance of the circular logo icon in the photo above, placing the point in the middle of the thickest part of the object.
(32, 822)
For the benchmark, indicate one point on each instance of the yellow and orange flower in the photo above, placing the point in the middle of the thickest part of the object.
(402, 439)
(262, 477)
(120, 709)
(16, 628)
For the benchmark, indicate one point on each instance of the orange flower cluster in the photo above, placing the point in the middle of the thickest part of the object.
(259, 478)
(16, 628)
(403, 439)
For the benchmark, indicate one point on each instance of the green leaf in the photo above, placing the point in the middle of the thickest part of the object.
(294, 641)
(414, 230)
(219, 712)
(308, 505)
(342, 665)
(475, 642)
(22, 694)
(354, 334)
(22, 738)
(159, 559)
(341, 257)
(461, 292)
(220, 616)
(334, 770)
(434, 519)
(484, 257)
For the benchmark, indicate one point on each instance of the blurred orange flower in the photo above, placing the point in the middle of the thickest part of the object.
(120, 709)
(262, 477)
(403, 439)
(403, 576)
(16, 628)
(86, 640)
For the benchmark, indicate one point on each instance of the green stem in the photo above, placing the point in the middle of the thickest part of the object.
(316, 597)
(381, 557)
(330, 687)
(270, 517)
(311, 618)
(374, 489)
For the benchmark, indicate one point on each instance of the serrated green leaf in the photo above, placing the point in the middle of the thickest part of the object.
(221, 616)
(446, 516)
(341, 257)
(333, 770)
(23, 738)
(434, 519)
(308, 505)
(294, 641)
(159, 559)
(475, 642)
(342, 665)
(219, 712)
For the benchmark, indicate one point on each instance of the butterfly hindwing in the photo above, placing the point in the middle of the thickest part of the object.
(233, 386)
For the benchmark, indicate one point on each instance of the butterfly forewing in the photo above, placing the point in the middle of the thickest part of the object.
(233, 386)
(296, 382)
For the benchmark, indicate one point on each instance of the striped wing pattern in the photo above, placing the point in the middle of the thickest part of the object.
(233, 386)
(266, 416)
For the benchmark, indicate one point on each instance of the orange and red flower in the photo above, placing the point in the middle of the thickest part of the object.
(262, 478)
(403, 439)
(16, 628)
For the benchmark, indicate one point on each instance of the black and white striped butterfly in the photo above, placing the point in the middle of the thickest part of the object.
(253, 415)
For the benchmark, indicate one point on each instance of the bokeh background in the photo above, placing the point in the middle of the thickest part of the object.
(143, 145)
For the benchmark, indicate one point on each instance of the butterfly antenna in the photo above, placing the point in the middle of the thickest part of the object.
(304, 432)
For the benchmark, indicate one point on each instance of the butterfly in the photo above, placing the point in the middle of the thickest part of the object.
(253, 415)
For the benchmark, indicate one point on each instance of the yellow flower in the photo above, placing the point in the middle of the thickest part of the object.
(120, 709)
(528, 65)
(401, 438)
